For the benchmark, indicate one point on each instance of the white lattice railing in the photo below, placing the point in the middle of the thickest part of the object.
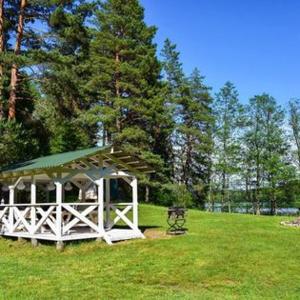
(80, 215)
(60, 220)
(28, 218)
(121, 210)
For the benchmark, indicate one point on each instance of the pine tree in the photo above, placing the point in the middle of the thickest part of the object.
(196, 131)
(294, 121)
(228, 116)
(64, 74)
(192, 143)
(125, 82)
(17, 91)
(177, 88)
(266, 148)
(2, 30)
(125, 71)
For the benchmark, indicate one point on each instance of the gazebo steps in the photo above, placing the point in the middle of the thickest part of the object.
(116, 235)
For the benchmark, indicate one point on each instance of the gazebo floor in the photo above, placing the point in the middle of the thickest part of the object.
(114, 235)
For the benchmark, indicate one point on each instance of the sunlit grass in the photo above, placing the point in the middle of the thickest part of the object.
(223, 256)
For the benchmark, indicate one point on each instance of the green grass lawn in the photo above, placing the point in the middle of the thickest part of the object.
(223, 256)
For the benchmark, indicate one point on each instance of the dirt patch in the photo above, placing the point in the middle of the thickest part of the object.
(155, 234)
(294, 223)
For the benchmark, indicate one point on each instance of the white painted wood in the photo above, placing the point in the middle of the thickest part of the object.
(80, 216)
(33, 201)
(21, 219)
(100, 184)
(107, 202)
(123, 213)
(124, 234)
(59, 197)
(4, 220)
(45, 216)
(11, 212)
(134, 186)
(17, 182)
(37, 222)
(50, 221)
(122, 216)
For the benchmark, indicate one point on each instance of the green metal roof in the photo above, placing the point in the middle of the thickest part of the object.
(51, 161)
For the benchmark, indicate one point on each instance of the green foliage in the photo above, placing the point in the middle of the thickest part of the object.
(266, 148)
(175, 195)
(294, 121)
(92, 76)
(129, 103)
(16, 143)
(228, 113)
(192, 139)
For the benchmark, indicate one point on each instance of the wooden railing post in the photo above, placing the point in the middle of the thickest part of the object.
(11, 208)
(33, 202)
(107, 202)
(134, 186)
(100, 184)
(59, 196)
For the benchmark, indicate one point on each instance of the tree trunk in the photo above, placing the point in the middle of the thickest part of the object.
(188, 162)
(14, 70)
(223, 191)
(117, 88)
(229, 206)
(147, 192)
(1, 53)
(257, 184)
(273, 202)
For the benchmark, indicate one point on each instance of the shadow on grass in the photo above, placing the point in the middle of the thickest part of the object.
(143, 229)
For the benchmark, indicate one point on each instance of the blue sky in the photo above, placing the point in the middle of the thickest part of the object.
(255, 44)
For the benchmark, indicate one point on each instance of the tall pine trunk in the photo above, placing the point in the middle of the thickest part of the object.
(147, 193)
(273, 200)
(14, 70)
(257, 196)
(223, 191)
(117, 89)
(1, 53)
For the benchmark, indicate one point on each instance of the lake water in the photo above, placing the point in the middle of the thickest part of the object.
(246, 208)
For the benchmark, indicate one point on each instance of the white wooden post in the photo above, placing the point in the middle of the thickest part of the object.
(107, 202)
(134, 186)
(33, 201)
(83, 191)
(59, 197)
(100, 184)
(11, 202)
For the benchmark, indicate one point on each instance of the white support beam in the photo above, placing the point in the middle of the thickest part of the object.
(107, 202)
(17, 182)
(59, 199)
(100, 184)
(121, 163)
(134, 185)
(33, 201)
(12, 193)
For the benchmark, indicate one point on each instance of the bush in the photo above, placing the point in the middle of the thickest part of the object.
(16, 143)
(175, 195)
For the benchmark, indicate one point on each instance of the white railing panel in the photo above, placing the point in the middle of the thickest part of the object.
(80, 217)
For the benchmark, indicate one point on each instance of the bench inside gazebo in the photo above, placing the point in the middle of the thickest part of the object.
(35, 202)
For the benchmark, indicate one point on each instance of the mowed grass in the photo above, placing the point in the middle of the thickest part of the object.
(223, 256)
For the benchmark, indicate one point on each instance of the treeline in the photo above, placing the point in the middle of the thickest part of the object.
(256, 153)
(79, 73)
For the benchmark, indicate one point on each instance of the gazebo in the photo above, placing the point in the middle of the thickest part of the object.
(35, 204)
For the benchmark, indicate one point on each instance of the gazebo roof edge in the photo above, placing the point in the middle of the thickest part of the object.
(51, 161)
(63, 160)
